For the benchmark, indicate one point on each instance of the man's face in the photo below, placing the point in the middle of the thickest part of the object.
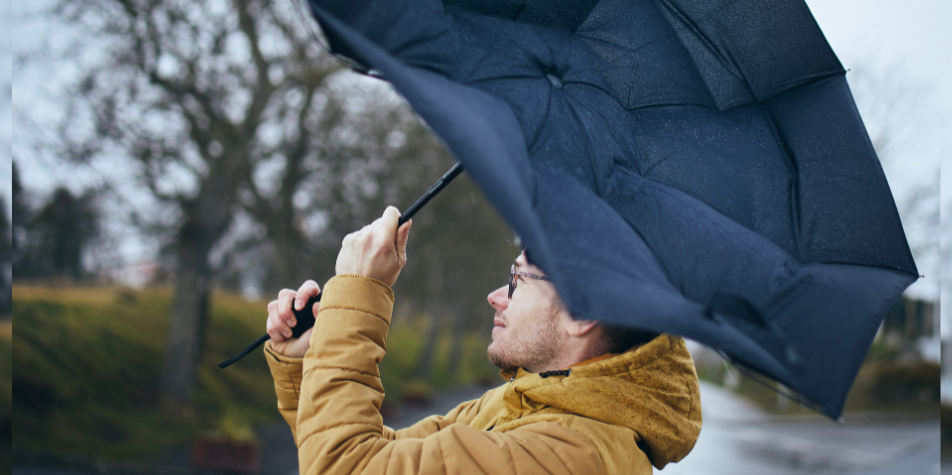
(527, 329)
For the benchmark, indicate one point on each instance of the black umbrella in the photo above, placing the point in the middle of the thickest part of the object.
(686, 166)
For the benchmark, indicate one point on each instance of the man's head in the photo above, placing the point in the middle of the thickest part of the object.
(533, 329)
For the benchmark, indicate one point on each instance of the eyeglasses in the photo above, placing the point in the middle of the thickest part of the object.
(512, 278)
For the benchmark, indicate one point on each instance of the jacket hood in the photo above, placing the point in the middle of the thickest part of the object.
(651, 389)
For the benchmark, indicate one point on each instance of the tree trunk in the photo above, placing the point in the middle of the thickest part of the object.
(456, 345)
(434, 308)
(291, 263)
(189, 320)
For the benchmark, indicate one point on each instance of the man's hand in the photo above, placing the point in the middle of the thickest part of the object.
(281, 320)
(379, 250)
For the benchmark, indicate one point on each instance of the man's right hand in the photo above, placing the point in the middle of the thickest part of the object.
(281, 320)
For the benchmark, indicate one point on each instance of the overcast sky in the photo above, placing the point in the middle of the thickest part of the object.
(6, 116)
(946, 133)
(901, 38)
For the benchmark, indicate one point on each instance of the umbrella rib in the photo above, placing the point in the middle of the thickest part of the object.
(711, 46)
(590, 148)
(626, 49)
(470, 82)
(545, 121)
(794, 171)
(615, 135)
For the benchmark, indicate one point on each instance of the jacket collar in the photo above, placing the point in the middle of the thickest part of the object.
(651, 389)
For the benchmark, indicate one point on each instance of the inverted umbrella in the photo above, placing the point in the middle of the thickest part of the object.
(683, 166)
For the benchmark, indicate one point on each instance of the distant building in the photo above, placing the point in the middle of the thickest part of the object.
(912, 325)
(946, 389)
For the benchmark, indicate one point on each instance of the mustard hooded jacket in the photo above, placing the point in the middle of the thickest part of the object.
(614, 414)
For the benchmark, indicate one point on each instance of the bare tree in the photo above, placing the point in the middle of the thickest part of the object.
(21, 215)
(202, 95)
(6, 262)
(238, 125)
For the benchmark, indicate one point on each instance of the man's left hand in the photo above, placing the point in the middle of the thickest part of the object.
(379, 250)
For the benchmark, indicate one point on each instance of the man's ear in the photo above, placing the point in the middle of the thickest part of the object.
(579, 328)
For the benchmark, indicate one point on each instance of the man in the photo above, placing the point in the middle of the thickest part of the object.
(570, 405)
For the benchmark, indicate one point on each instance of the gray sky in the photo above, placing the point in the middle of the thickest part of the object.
(37, 89)
(946, 133)
(6, 117)
(898, 38)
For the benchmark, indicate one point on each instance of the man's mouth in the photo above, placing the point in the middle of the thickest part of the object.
(498, 323)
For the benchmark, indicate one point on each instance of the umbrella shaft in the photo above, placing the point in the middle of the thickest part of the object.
(436, 188)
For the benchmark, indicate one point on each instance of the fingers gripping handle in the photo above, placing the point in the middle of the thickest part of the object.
(304, 318)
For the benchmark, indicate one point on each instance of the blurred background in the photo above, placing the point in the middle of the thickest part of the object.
(168, 166)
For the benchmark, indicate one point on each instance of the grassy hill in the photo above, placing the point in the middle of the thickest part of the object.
(88, 362)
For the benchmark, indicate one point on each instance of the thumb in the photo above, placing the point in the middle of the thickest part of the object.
(403, 235)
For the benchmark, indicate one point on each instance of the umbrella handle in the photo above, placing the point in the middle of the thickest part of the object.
(305, 316)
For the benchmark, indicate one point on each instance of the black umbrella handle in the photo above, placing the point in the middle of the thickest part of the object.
(305, 316)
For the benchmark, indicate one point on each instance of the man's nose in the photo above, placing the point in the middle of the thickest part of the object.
(499, 298)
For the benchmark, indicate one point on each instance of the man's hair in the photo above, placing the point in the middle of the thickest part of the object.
(620, 339)
(617, 339)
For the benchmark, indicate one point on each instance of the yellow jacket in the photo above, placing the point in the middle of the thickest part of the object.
(619, 414)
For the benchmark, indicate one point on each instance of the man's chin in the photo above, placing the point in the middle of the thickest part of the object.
(498, 359)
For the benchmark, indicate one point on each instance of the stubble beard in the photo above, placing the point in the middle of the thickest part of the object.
(533, 347)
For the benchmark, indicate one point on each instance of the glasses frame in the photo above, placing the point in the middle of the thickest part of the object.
(512, 278)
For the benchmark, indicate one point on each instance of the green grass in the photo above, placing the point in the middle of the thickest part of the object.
(88, 364)
(89, 360)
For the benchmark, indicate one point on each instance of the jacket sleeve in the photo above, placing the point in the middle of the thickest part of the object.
(463, 414)
(287, 375)
(339, 428)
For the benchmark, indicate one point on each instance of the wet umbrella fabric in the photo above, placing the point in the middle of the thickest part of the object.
(693, 167)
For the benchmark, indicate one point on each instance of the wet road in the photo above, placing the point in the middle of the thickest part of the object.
(738, 439)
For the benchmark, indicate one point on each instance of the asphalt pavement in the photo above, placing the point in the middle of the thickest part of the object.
(739, 439)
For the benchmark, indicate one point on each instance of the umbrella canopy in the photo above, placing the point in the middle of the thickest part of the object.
(695, 167)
